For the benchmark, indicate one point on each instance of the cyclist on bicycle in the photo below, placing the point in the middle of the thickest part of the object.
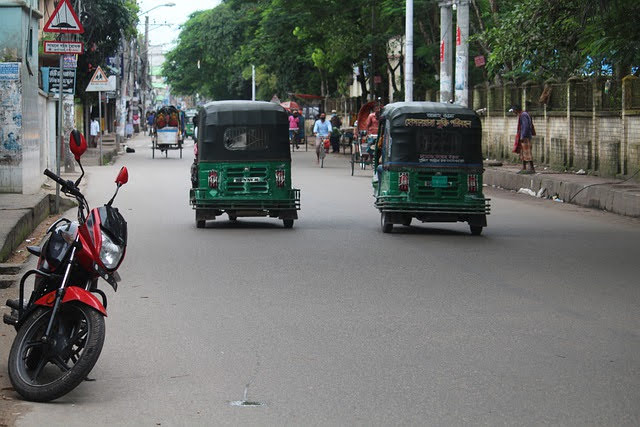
(372, 131)
(321, 130)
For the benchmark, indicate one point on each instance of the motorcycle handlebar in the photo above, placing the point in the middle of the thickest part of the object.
(67, 186)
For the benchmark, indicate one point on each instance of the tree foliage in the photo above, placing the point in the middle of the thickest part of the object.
(106, 23)
(314, 47)
(543, 39)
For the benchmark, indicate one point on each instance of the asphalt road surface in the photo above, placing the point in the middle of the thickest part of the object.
(335, 323)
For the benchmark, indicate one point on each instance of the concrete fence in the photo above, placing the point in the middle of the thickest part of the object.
(580, 124)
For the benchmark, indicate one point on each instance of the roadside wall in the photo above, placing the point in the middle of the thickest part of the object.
(580, 124)
(21, 103)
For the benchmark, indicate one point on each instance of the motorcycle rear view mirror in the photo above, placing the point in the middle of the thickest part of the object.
(121, 179)
(77, 144)
(123, 176)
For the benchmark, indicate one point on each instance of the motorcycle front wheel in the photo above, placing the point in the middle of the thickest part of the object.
(40, 371)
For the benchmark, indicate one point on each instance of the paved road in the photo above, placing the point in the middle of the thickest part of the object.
(334, 323)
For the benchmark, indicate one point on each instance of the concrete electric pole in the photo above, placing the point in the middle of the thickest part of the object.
(462, 54)
(446, 57)
(408, 57)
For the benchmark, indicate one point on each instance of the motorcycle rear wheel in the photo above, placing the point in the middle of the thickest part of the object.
(42, 372)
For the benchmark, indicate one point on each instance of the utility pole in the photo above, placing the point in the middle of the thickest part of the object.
(408, 58)
(462, 54)
(253, 82)
(446, 58)
(147, 67)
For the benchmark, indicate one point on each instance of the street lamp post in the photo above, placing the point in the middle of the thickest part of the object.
(124, 91)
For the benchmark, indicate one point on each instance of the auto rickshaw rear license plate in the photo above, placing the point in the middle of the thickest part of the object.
(439, 181)
(247, 179)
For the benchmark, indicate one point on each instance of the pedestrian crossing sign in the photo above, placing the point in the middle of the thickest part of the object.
(63, 20)
(99, 77)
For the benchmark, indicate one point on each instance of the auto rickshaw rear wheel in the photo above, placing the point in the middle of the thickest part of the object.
(407, 221)
(288, 223)
(476, 230)
(201, 223)
(387, 227)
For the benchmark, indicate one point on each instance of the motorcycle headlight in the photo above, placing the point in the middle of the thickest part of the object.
(110, 253)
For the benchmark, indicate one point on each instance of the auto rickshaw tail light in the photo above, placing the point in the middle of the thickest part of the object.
(280, 177)
(403, 181)
(213, 179)
(472, 183)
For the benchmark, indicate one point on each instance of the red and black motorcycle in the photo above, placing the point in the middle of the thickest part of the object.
(61, 326)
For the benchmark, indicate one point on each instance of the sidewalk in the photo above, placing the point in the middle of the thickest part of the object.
(20, 214)
(622, 198)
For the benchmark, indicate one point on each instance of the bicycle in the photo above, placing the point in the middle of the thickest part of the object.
(322, 148)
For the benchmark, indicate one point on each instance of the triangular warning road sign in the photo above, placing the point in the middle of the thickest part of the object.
(63, 20)
(99, 77)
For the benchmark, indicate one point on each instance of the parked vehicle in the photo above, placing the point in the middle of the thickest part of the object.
(60, 328)
(428, 164)
(243, 163)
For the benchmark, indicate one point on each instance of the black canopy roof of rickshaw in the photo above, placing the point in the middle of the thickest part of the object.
(224, 113)
(217, 116)
(437, 116)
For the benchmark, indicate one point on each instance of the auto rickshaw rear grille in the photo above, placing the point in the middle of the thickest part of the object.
(246, 187)
(425, 190)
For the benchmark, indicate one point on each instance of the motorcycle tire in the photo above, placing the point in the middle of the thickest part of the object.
(40, 372)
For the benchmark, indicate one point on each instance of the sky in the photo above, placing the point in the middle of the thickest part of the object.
(167, 35)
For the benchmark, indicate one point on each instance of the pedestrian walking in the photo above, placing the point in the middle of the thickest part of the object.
(94, 130)
(294, 123)
(321, 130)
(151, 118)
(335, 133)
(136, 123)
(300, 126)
(522, 144)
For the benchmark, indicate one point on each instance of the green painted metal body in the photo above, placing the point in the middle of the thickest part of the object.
(437, 148)
(438, 193)
(246, 186)
(188, 128)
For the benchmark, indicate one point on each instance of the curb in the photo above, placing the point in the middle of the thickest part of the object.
(27, 220)
(617, 199)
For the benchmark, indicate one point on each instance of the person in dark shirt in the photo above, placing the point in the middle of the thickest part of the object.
(523, 139)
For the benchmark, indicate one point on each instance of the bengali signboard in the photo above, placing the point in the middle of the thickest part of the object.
(62, 48)
(52, 83)
(9, 71)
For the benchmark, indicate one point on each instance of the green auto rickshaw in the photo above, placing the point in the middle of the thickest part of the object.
(188, 122)
(243, 163)
(428, 166)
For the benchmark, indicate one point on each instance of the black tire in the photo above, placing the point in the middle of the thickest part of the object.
(353, 164)
(407, 222)
(153, 149)
(201, 223)
(232, 217)
(288, 223)
(385, 225)
(32, 370)
(476, 230)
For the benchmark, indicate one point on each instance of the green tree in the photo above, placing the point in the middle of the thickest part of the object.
(106, 24)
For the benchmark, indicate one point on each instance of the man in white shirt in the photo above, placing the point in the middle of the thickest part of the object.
(93, 132)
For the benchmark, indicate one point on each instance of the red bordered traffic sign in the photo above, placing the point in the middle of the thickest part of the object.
(63, 20)
(63, 48)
